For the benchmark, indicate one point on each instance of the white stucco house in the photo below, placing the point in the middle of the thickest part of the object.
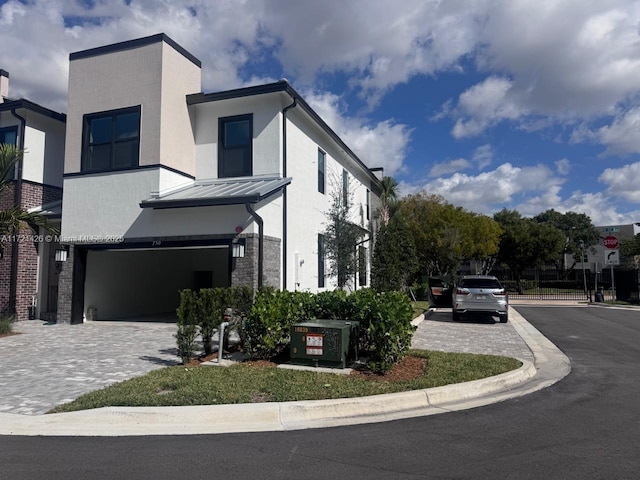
(166, 187)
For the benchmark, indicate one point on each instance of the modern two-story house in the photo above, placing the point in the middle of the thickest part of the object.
(166, 187)
(28, 270)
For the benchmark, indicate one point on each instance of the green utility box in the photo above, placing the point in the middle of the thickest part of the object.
(324, 343)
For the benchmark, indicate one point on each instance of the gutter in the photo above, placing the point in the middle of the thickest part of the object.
(17, 198)
(284, 191)
(260, 222)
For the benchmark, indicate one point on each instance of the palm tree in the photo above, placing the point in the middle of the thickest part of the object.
(14, 218)
(388, 197)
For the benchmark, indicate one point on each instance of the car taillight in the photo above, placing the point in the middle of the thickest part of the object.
(462, 291)
(500, 293)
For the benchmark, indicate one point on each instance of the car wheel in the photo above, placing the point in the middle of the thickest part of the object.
(504, 318)
(455, 316)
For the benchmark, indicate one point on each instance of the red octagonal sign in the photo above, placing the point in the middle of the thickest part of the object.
(610, 242)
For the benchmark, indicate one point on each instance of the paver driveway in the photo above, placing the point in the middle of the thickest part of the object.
(47, 365)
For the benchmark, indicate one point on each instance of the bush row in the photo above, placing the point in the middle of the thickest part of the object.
(264, 321)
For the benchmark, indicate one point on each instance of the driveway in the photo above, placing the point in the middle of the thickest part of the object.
(46, 365)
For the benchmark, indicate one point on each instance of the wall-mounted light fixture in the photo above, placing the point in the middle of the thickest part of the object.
(237, 248)
(62, 254)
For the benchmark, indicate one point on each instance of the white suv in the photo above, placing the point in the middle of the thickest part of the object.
(480, 294)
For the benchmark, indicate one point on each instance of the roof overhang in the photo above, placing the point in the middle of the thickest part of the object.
(19, 103)
(51, 210)
(215, 192)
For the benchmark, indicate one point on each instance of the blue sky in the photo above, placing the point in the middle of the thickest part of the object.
(523, 104)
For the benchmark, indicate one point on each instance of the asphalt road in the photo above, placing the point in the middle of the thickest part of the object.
(585, 427)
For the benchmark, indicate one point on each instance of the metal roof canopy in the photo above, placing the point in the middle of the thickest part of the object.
(226, 191)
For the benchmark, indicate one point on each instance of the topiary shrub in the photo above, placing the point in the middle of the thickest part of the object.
(211, 303)
(188, 314)
(6, 324)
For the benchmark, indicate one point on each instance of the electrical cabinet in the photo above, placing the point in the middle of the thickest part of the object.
(324, 343)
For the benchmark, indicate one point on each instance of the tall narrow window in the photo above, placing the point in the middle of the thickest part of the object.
(235, 146)
(111, 140)
(321, 170)
(9, 135)
(320, 260)
(345, 187)
(368, 202)
(362, 266)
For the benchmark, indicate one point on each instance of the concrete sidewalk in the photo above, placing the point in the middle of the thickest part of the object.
(543, 365)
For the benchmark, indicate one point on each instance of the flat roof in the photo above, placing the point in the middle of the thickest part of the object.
(132, 44)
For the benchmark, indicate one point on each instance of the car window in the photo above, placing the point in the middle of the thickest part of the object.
(480, 283)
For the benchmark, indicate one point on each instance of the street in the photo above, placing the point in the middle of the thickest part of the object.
(584, 427)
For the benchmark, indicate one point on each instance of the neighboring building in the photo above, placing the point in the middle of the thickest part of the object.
(168, 188)
(28, 271)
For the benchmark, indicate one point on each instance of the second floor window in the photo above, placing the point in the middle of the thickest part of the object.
(111, 140)
(345, 187)
(235, 146)
(321, 169)
(9, 135)
(321, 260)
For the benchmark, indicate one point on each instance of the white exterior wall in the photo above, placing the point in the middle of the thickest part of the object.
(306, 206)
(267, 151)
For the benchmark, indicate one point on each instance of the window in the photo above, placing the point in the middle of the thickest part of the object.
(345, 187)
(111, 140)
(320, 260)
(9, 135)
(235, 146)
(362, 266)
(368, 203)
(321, 170)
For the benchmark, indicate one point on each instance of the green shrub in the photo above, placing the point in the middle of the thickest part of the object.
(211, 304)
(329, 305)
(6, 324)
(390, 330)
(267, 329)
(188, 315)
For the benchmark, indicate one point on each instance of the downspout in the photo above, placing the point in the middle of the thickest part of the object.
(260, 222)
(17, 199)
(284, 192)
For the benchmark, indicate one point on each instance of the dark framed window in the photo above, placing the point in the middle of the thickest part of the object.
(362, 266)
(345, 187)
(111, 140)
(9, 135)
(321, 170)
(321, 259)
(368, 203)
(235, 146)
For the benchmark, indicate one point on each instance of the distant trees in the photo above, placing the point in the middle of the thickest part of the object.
(524, 242)
(445, 235)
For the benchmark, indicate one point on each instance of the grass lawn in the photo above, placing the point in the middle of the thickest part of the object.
(246, 383)
(419, 308)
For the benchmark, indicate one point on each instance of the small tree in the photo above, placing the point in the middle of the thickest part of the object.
(394, 257)
(188, 313)
(341, 236)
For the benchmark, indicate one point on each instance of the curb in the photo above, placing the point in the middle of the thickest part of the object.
(551, 365)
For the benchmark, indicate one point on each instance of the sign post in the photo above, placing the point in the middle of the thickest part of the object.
(612, 258)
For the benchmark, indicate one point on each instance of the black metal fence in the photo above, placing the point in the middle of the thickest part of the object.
(549, 283)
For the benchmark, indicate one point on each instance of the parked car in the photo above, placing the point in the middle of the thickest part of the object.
(440, 292)
(480, 294)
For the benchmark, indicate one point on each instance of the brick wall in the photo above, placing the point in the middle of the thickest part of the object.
(244, 271)
(26, 284)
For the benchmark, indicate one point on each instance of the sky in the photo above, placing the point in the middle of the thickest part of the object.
(518, 104)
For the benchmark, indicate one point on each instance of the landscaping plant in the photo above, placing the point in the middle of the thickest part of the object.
(188, 312)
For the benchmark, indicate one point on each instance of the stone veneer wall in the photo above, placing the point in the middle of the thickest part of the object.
(245, 270)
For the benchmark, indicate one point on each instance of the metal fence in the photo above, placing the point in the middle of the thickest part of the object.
(549, 283)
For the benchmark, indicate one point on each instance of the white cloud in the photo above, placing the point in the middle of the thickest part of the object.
(445, 168)
(623, 182)
(483, 156)
(490, 191)
(622, 136)
(382, 144)
(563, 166)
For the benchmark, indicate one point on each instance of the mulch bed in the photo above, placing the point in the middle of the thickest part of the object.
(406, 369)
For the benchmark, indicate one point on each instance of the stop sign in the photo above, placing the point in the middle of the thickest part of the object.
(610, 242)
